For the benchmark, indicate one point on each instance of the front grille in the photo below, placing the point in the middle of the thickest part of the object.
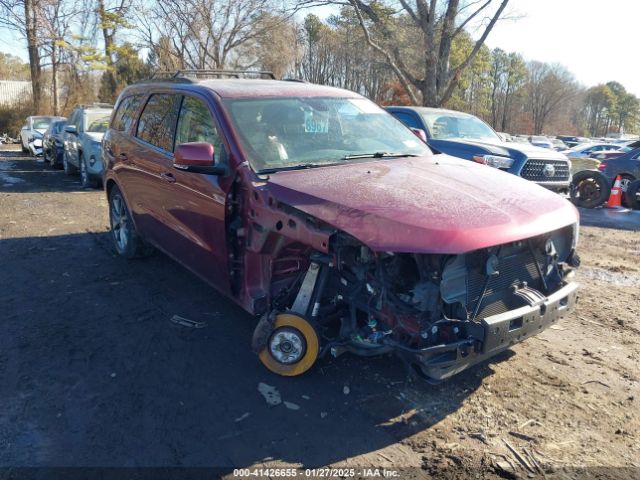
(546, 171)
(515, 267)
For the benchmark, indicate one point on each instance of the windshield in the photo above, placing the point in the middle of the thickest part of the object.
(447, 125)
(98, 122)
(41, 123)
(288, 132)
(58, 127)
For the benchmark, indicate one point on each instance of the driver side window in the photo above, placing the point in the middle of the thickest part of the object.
(195, 124)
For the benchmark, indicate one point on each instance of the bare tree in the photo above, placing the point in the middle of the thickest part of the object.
(438, 24)
(207, 33)
(57, 20)
(549, 87)
(24, 17)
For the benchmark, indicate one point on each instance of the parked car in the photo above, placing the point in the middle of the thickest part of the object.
(521, 139)
(82, 142)
(466, 136)
(571, 140)
(627, 166)
(52, 143)
(540, 141)
(558, 145)
(584, 150)
(609, 154)
(32, 132)
(315, 210)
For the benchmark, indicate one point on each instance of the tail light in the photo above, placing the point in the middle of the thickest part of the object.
(602, 166)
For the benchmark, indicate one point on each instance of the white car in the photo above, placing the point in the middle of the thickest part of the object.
(82, 142)
(583, 150)
(32, 132)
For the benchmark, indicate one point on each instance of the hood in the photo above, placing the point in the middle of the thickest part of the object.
(437, 204)
(508, 148)
(95, 136)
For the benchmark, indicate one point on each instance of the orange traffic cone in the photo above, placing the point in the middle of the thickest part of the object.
(615, 199)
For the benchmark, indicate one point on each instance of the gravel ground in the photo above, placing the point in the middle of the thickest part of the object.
(93, 374)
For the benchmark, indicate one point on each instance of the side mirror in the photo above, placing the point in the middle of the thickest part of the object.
(420, 133)
(71, 129)
(197, 157)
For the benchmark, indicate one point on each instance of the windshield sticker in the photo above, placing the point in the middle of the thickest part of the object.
(315, 123)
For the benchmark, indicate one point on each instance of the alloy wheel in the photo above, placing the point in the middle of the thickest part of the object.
(84, 175)
(119, 222)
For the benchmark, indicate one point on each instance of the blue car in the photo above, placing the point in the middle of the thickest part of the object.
(466, 136)
(627, 166)
(52, 146)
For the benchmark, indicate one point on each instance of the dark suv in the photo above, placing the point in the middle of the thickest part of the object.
(466, 136)
(317, 211)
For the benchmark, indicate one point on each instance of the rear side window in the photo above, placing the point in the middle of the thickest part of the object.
(158, 120)
(125, 114)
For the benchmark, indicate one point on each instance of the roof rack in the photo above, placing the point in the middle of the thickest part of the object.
(200, 74)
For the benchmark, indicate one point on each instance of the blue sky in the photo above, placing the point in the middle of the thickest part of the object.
(595, 40)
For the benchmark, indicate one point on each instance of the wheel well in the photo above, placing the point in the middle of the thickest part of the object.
(109, 186)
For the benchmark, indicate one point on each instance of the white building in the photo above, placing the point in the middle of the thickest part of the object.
(14, 91)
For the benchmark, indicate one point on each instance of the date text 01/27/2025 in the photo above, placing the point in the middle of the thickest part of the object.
(316, 472)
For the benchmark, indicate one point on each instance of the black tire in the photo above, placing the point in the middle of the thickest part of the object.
(633, 195)
(85, 179)
(53, 161)
(126, 240)
(589, 189)
(625, 181)
(68, 168)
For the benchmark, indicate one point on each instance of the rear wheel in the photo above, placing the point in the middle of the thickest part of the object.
(126, 240)
(589, 189)
(292, 347)
(632, 195)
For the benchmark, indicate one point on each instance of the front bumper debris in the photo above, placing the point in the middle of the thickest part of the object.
(500, 332)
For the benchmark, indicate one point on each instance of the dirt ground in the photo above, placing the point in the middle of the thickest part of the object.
(93, 374)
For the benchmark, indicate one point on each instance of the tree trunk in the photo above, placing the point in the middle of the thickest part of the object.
(54, 78)
(30, 15)
(109, 83)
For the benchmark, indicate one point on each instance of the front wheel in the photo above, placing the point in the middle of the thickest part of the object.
(85, 180)
(68, 168)
(589, 189)
(293, 346)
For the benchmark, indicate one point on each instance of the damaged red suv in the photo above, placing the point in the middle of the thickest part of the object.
(324, 216)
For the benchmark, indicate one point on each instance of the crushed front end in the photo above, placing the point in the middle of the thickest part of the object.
(440, 313)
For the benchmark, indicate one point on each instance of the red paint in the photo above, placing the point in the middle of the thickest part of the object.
(424, 205)
(199, 154)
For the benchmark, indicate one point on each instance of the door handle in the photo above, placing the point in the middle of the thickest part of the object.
(123, 157)
(168, 177)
